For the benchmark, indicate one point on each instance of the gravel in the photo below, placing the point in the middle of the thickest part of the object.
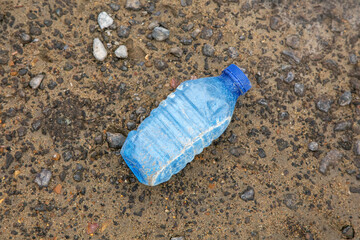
(121, 52)
(133, 5)
(9, 160)
(291, 56)
(160, 34)
(35, 31)
(343, 125)
(208, 50)
(123, 31)
(291, 201)
(36, 81)
(176, 51)
(313, 146)
(25, 38)
(330, 160)
(4, 57)
(275, 22)
(206, 33)
(43, 178)
(345, 98)
(99, 50)
(248, 194)
(357, 148)
(348, 232)
(78, 176)
(290, 77)
(115, 140)
(160, 64)
(353, 58)
(324, 104)
(195, 33)
(232, 52)
(115, 7)
(153, 25)
(104, 20)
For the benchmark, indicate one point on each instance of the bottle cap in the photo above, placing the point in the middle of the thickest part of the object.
(240, 79)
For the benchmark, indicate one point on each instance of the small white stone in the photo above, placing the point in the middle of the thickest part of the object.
(36, 81)
(104, 20)
(121, 52)
(99, 50)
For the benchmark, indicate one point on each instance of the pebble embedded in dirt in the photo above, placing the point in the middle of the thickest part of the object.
(114, 6)
(35, 31)
(275, 22)
(348, 232)
(43, 178)
(177, 238)
(4, 57)
(208, 50)
(78, 176)
(36, 81)
(21, 131)
(121, 51)
(332, 65)
(248, 194)
(115, 140)
(313, 146)
(343, 125)
(206, 33)
(36, 124)
(160, 64)
(195, 33)
(299, 89)
(153, 25)
(293, 41)
(176, 51)
(353, 58)
(237, 151)
(99, 50)
(291, 56)
(25, 38)
(357, 148)
(160, 34)
(104, 20)
(131, 125)
(133, 5)
(345, 98)
(9, 160)
(123, 31)
(330, 160)
(290, 77)
(291, 201)
(99, 139)
(233, 53)
(324, 104)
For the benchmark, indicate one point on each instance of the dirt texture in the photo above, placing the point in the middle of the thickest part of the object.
(287, 167)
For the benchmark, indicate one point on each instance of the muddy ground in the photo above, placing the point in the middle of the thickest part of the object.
(301, 57)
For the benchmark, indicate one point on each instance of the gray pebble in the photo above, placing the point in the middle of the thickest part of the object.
(332, 65)
(324, 104)
(68, 66)
(78, 176)
(299, 89)
(313, 146)
(348, 232)
(36, 81)
(345, 98)
(232, 52)
(275, 22)
(133, 5)
(4, 57)
(176, 51)
(160, 34)
(293, 41)
(115, 140)
(353, 58)
(104, 20)
(99, 139)
(185, 3)
(177, 238)
(121, 52)
(36, 124)
(206, 33)
(160, 64)
(188, 27)
(140, 110)
(123, 31)
(43, 178)
(261, 153)
(291, 55)
(290, 201)
(25, 38)
(9, 160)
(357, 148)
(208, 50)
(115, 7)
(248, 194)
(283, 116)
(131, 125)
(67, 156)
(99, 51)
(343, 125)
(153, 25)
(34, 30)
(186, 41)
(290, 77)
(195, 33)
(48, 23)
(21, 131)
(330, 160)
(237, 151)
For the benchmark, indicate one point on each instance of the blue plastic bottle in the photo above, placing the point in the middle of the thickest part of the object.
(186, 122)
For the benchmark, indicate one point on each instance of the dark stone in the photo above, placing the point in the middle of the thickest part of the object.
(9, 160)
(31, 16)
(131, 125)
(52, 85)
(48, 23)
(34, 30)
(237, 151)
(291, 56)
(68, 66)
(357, 148)
(67, 156)
(282, 144)
(248, 194)
(115, 140)
(25, 38)
(275, 22)
(160, 64)
(324, 104)
(99, 139)
(123, 31)
(23, 71)
(206, 33)
(21, 131)
(261, 153)
(62, 175)
(78, 176)
(186, 41)
(331, 65)
(208, 50)
(348, 232)
(290, 201)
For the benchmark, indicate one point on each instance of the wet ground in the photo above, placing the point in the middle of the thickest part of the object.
(287, 167)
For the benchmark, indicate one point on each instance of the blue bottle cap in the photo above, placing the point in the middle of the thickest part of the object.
(238, 77)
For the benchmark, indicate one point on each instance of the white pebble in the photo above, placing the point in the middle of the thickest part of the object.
(36, 81)
(104, 20)
(121, 52)
(99, 50)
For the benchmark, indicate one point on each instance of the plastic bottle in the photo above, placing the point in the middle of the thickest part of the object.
(186, 122)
